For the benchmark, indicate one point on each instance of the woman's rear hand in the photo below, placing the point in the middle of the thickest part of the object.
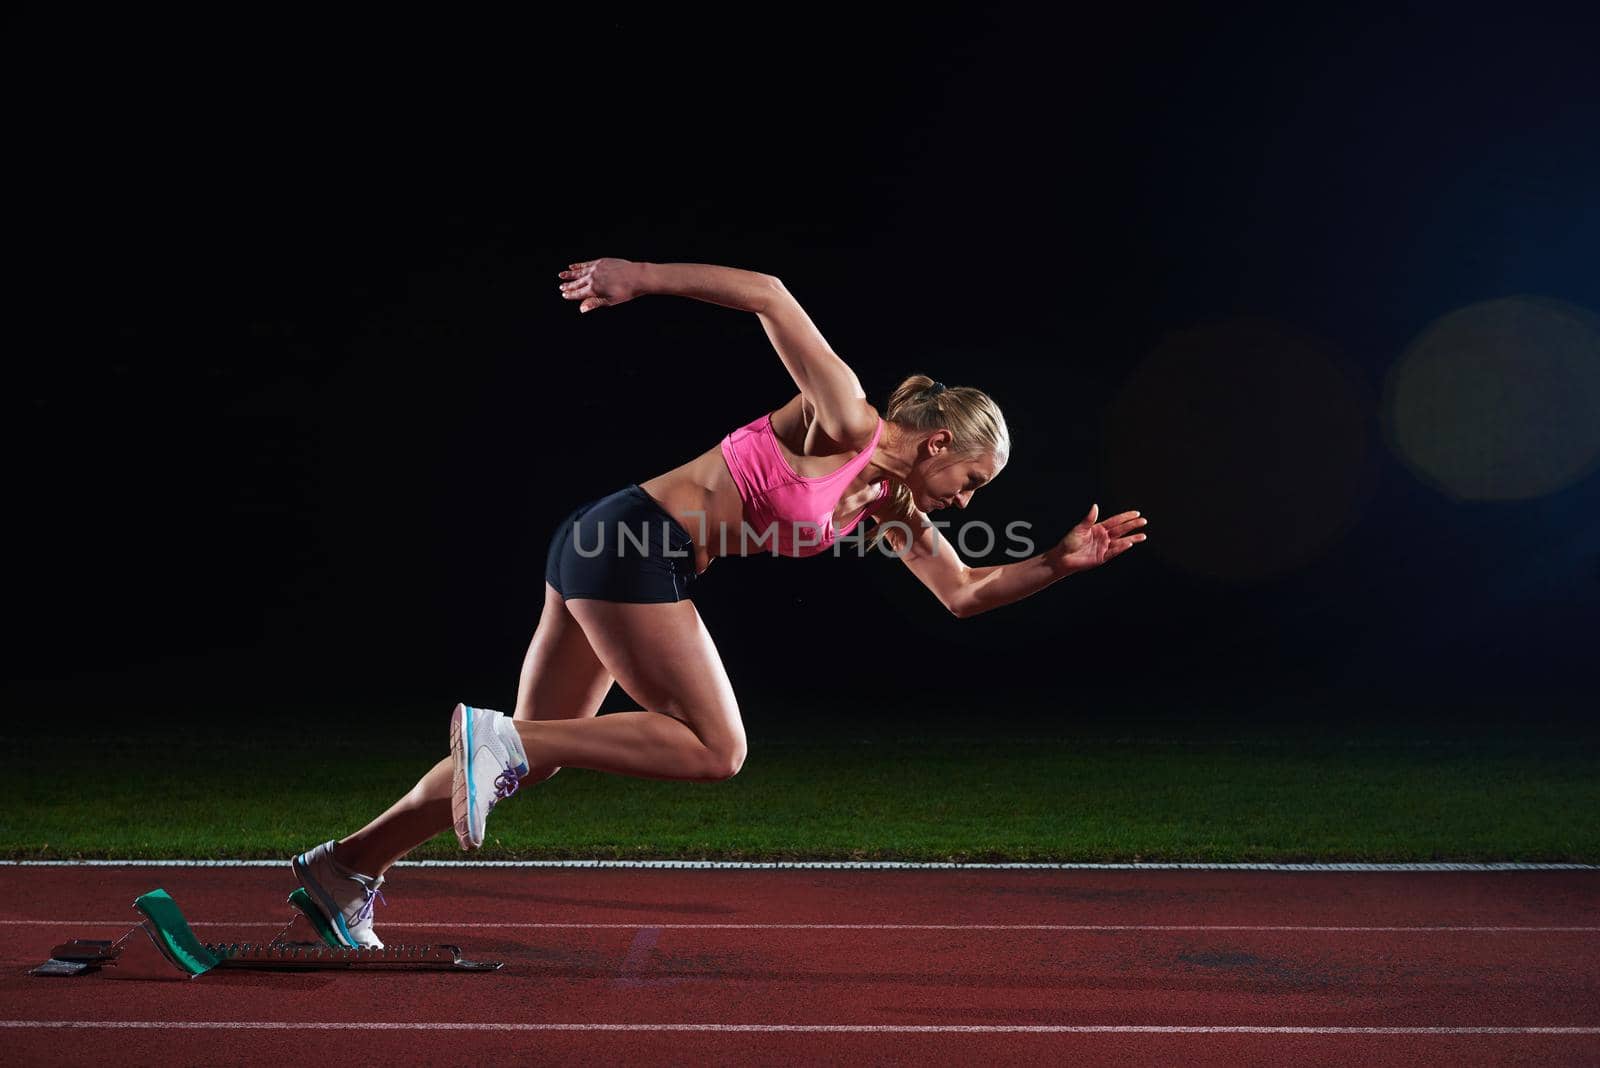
(602, 283)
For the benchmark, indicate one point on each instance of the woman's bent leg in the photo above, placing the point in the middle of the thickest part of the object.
(662, 656)
(642, 744)
(645, 745)
(561, 679)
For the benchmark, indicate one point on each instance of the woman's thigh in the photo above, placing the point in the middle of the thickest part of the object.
(562, 677)
(663, 656)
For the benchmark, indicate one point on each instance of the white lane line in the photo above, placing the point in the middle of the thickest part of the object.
(840, 865)
(514, 926)
(963, 1029)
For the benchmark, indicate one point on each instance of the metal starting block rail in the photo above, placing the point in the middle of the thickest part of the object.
(164, 946)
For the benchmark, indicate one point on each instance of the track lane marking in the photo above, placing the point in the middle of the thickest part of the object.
(1158, 1029)
(852, 865)
(516, 926)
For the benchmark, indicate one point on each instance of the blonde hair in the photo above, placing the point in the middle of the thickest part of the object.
(975, 424)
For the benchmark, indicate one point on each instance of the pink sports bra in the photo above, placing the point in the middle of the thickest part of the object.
(799, 510)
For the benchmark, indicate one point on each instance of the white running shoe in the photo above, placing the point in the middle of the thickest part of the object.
(489, 762)
(344, 897)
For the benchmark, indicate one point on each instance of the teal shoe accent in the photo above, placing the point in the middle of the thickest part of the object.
(472, 795)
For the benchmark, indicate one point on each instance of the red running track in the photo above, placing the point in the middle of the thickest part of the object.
(897, 967)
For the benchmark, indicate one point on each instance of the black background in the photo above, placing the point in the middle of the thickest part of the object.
(294, 405)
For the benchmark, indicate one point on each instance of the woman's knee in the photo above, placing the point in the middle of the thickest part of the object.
(724, 758)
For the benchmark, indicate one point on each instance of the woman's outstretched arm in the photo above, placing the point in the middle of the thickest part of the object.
(610, 281)
(967, 591)
(731, 287)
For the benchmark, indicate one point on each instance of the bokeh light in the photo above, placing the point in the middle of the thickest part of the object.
(1499, 401)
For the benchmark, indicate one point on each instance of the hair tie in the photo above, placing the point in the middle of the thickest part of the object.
(936, 389)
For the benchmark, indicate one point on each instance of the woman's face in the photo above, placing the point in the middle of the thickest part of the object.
(943, 480)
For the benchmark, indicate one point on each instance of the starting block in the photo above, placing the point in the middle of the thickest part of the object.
(163, 946)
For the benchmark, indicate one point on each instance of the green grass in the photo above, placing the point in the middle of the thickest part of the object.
(1086, 794)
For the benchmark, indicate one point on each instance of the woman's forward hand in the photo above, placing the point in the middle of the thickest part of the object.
(1091, 543)
(602, 283)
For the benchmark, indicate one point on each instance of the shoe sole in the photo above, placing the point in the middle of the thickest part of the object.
(461, 776)
(323, 903)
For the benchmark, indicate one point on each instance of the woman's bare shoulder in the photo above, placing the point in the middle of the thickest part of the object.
(797, 425)
(863, 426)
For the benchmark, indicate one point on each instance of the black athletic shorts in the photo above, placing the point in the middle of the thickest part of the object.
(621, 547)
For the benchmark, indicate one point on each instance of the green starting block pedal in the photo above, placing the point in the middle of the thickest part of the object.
(172, 933)
(301, 900)
(164, 946)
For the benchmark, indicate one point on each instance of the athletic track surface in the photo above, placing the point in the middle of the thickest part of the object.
(787, 967)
